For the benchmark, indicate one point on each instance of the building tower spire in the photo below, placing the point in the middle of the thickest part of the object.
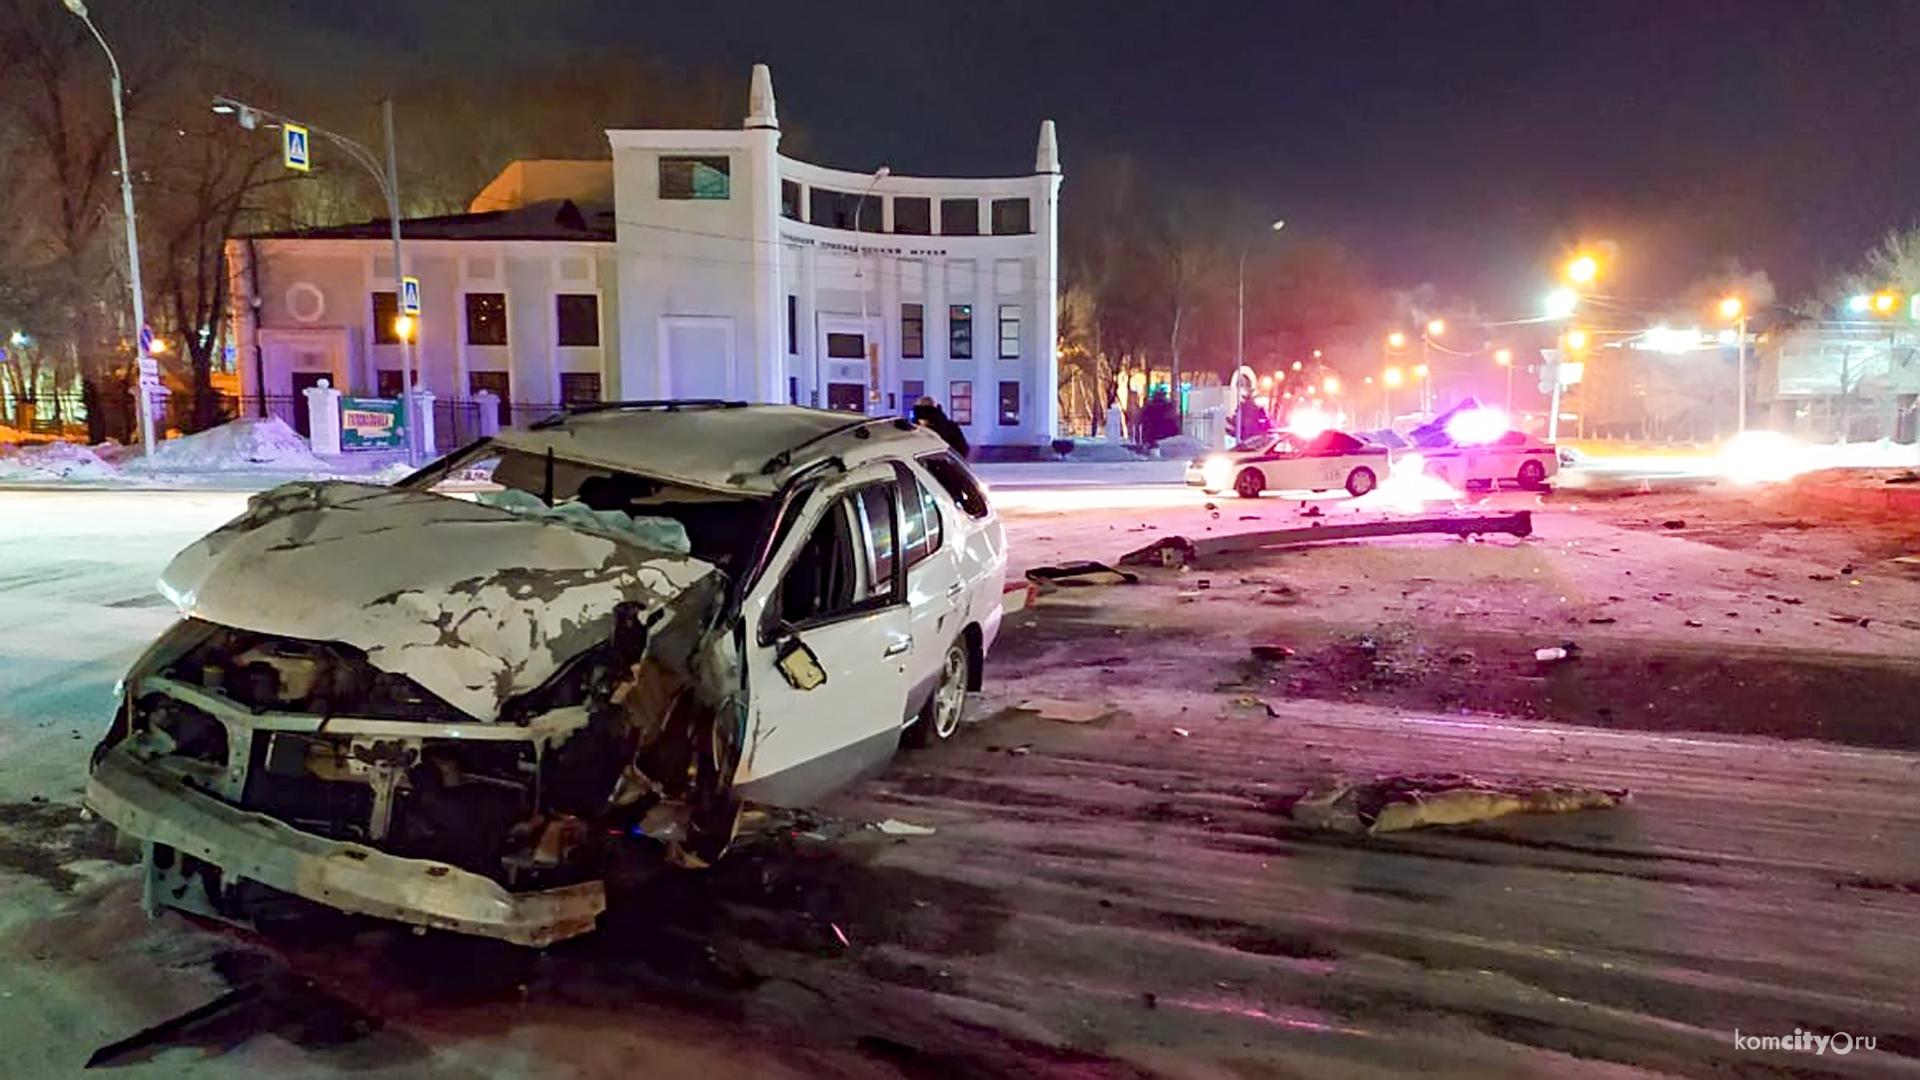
(760, 109)
(1046, 157)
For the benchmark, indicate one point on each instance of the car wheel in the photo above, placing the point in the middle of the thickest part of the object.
(1532, 474)
(940, 719)
(1249, 484)
(1360, 481)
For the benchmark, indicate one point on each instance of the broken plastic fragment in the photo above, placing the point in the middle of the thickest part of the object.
(895, 827)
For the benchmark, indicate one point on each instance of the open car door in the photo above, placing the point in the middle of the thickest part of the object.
(829, 642)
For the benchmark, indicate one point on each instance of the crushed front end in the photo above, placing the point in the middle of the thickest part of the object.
(257, 766)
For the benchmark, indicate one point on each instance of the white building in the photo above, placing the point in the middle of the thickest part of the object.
(698, 264)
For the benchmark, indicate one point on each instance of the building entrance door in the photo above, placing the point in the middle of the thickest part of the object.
(303, 381)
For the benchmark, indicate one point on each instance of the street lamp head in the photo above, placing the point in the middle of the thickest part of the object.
(1296, 365)
(1576, 339)
(1436, 327)
(1731, 307)
(882, 172)
(1420, 371)
(1561, 302)
(1317, 354)
(403, 327)
(1858, 304)
(1393, 376)
(1278, 225)
(1503, 357)
(78, 7)
(1884, 303)
(1331, 384)
(1583, 269)
(1396, 340)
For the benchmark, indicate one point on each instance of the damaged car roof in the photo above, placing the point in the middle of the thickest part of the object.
(730, 447)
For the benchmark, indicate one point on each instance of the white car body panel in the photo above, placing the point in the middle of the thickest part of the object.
(1290, 471)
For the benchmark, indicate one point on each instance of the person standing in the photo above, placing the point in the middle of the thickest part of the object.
(928, 414)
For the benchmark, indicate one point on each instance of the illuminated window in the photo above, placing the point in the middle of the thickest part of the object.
(960, 331)
(694, 178)
(386, 308)
(1009, 331)
(913, 331)
(1010, 404)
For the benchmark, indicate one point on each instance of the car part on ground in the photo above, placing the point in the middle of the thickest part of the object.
(1180, 551)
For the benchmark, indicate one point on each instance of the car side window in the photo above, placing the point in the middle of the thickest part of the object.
(824, 579)
(881, 539)
(920, 528)
(953, 474)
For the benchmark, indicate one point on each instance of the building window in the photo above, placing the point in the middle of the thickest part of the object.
(960, 331)
(486, 318)
(793, 389)
(913, 216)
(960, 402)
(793, 325)
(913, 331)
(499, 385)
(389, 381)
(694, 178)
(790, 199)
(1009, 331)
(577, 315)
(959, 217)
(1012, 217)
(1010, 404)
(579, 388)
(847, 346)
(836, 209)
(386, 309)
(911, 391)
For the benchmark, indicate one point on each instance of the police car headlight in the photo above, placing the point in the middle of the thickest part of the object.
(1216, 473)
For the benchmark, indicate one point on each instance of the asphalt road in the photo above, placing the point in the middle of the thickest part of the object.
(1130, 897)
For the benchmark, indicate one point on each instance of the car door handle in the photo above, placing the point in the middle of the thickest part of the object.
(898, 647)
(955, 589)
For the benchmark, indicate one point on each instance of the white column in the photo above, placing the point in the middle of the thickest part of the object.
(886, 329)
(488, 403)
(423, 415)
(323, 418)
(1046, 329)
(933, 327)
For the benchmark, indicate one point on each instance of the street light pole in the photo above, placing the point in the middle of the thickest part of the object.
(143, 393)
(878, 175)
(387, 178)
(1240, 335)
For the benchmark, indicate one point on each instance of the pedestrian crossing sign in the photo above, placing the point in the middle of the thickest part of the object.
(295, 145)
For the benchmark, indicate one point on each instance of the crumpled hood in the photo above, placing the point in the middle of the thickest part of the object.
(475, 604)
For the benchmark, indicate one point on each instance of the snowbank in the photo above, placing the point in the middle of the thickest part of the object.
(250, 445)
(1099, 450)
(1181, 448)
(52, 461)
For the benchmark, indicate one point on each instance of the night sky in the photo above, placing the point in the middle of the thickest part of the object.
(1463, 143)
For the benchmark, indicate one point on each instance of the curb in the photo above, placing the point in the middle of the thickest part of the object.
(1897, 500)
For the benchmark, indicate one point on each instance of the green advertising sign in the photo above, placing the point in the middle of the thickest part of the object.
(371, 424)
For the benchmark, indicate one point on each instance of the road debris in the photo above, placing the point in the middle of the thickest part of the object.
(1553, 653)
(1174, 551)
(1270, 652)
(1248, 701)
(841, 934)
(1673, 523)
(1080, 574)
(1067, 712)
(1182, 732)
(1398, 803)
(896, 827)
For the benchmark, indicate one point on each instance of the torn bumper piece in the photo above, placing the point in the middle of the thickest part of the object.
(157, 808)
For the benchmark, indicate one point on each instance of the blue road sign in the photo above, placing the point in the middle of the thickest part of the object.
(409, 296)
(296, 147)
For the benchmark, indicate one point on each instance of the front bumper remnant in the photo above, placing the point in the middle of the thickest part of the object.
(153, 806)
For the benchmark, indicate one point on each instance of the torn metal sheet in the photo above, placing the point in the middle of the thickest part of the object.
(477, 605)
(1175, 550)
(1395, 804)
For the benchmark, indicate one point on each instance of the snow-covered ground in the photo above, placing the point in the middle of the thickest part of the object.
(244, 454)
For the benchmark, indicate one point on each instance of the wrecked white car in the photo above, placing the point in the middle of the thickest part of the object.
(449, 702)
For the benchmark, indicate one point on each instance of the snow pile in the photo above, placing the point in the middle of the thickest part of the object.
(53, 461)
(1180, 448)
(250, 445)
(1099, 450)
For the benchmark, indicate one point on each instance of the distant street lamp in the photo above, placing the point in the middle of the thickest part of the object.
(1240, 336)
(1735, 311)
(388, 181)
(872, 349)
(1583, 269)
(148, 373)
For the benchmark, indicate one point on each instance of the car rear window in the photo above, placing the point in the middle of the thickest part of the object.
(953, 474)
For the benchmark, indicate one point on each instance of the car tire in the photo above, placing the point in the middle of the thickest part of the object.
(1361, 481)
(1532, 474)
(1249, 484)
(940, 717)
